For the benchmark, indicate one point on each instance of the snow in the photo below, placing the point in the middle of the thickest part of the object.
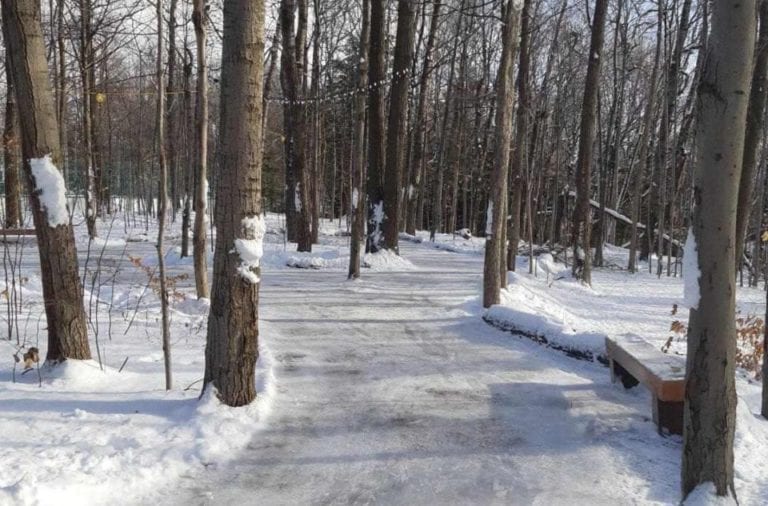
(378, 219)
(691, 271)
(355, 196)
(489, 219)
(52, 190)
(250, 247)
(297, 197)
(388, 390)
(705, 495)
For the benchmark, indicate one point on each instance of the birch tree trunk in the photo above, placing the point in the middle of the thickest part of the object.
(62, 290)
(710, 390)
(232, 344)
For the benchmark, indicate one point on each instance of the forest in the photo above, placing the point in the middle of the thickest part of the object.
(384, 252)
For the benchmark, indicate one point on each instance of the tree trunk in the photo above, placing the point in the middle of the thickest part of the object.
(199, 251)
(398, 117)
(753, 134)
(642, 162)
(519, 165)
(417, 166)
(62, 290)
(294, 122)
(505, 103)
(86, 77)
(12, 161)
(582, 265)
(376, 137)
(160, 114)
(232, 344)
(357, 214)
(710, 390)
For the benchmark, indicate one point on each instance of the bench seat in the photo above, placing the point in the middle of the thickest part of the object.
(634, 360)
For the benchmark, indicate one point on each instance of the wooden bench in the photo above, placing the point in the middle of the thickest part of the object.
(634, 360)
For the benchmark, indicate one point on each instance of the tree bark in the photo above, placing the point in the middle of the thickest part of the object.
(62, 291)
(294, 122)
(232, 344)
(710, 390)
(376, 137)
(582, 265)
(753, 134)
(199, 250)
(417, 167)
(505, 102)
(160, 115)
(357, 201)
(11, 159)
(397, 124)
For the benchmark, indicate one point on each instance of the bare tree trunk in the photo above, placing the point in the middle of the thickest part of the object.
(417, 167)
(753, 134)
(710, 389)
(376, 136)
(86, 76)
(12, 160)
(357, 201)
(519, 164)
(62, 290)
(505, 103)
(398, 118)
(163, 211)
(642, 162)
(294, 122)
(199, 251)
(232, 345)
(582, 265)
(172, 113)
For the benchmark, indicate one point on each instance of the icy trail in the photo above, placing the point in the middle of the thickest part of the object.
(392, 390)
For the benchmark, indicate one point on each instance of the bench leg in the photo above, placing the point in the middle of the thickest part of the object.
(668, 415)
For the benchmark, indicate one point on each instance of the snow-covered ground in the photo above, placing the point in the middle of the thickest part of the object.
(390, 389)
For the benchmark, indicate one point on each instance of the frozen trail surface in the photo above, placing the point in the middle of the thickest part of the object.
(391, 390)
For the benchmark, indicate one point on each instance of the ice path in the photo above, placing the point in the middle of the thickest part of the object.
(391, 390)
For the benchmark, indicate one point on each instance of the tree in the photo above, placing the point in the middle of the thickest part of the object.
(199, 251)
(397, 124)
(358, 154)
(582, 261)
(710, 390)
(62, 291)
(163, 200)
(232, 343)
(753, 134)
(376, 137)
(11, 161)
(294, 124)
(505, 102)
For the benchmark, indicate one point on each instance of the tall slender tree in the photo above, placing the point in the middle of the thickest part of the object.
(710, 386)
(582, 226)
(62, 290)
(357, 201)
(232, 345)
(505, 102)
(199, 251)
(376, 137)
(398, 119)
